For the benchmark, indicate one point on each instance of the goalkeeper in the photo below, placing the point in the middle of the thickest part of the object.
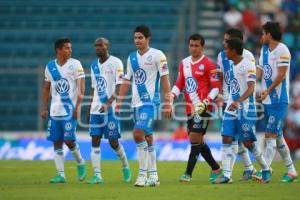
(198, 80)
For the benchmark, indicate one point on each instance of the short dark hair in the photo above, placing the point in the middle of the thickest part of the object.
(274, 29)
(236, 44)
(235, 33)
(197, 36)
(59, 43)
(145, 30)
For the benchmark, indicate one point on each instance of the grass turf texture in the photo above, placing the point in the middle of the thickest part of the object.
(29, 180)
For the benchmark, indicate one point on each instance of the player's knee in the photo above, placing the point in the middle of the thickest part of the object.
(114, 144)
(270, 135)
(138, 135)
(249, 144)
(149, 139)
(58, 145)
(227, 140)
(70, 143)
(196, 138)
(96, 141)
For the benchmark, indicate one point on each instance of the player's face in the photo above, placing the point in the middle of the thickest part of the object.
(66, 51)
(195, 48)
(101, 48)
(265, 37)
(229, 52)
(140, 41)
(225, 39)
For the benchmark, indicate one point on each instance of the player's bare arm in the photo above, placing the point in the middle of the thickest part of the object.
(167, 106)
(111, 99)
(46, 95)
(89, 105)
(279, 78)
(81, 89)
(124, 87)
(246, 95)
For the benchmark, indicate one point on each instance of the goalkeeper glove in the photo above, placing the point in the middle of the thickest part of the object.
(200, 107)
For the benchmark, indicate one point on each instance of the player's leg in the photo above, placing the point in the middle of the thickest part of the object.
(153, 179)
(228, 132)
(96, 132)
(55, 134)
(69, 128)
(249, 169)
(283, 149)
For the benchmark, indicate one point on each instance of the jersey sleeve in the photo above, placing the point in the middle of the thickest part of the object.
(47, 76)
(162, 64)
(179, 84)
(79, 71)
(284, 58)
(251, 72)
(119, 72)
(93, 80)
(213, 75)
(129, 71)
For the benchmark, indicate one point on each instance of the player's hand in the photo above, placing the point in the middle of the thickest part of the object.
(167, 110)
(264, 95)
(235, 105)
(220, 101)
(200, 107)
(118, 107)
(75, 113)
(44, 114)
(104, 107)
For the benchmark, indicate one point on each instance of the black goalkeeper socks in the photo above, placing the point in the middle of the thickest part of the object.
(195, 151)
(206, 154)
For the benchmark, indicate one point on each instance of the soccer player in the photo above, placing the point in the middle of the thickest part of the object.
(106, 75)
(274, 64)
(145, 68)
(198, 79)
(240, 113)
(224, 66)
(64, 79)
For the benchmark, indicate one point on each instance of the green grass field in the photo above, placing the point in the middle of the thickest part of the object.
(29, 180)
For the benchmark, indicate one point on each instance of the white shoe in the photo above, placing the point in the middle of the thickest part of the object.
(140, 181)
(153, 181)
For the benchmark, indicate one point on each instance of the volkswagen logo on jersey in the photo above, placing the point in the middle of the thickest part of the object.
(235, 88)
(246, 127)
(143, 116)
(271, 119)
(101, 84)
(140, 77)
(62, 86)
(227, 77)
(267, 72)
(190, 85)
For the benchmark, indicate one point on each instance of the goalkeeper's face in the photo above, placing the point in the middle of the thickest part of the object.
(195, 48)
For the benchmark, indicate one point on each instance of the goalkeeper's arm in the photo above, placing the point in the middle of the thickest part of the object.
(200, 107)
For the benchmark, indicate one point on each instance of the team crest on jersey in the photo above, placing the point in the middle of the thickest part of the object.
(68, 126)
(190, 85)
(62, 86)
(267, 72)
(227, 77)
(197, 119)
(234, 86)
(140, 77)
(201, 67)
(111, 125)
(71, 67)
(101, 84)
(149, 58)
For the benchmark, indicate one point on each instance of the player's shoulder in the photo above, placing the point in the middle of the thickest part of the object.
(156, 52)
(248, 54)
(114, 59)
(283, 49)
(186, 60)
(208, 61)
(248, 63)
(74, 61)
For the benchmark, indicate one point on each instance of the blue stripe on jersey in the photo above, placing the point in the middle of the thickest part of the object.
(100, 80)
(226, 67)
(64, 96)
(139, 74)
(234, 85)
(273, 94)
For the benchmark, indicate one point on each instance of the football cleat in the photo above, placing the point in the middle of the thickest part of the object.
(289, 178)
(58, 179)
(222, 180)
(152, 181)
(247, 175)
(81, 172)
(95, 180)
(185, 178)
(126, 174)
(141, 181)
